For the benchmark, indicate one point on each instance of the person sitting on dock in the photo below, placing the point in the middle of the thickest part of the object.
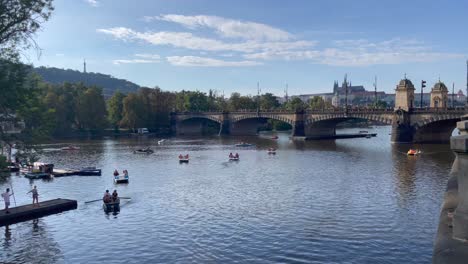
(35, 195)
(116, 173)
(115, 196)
(6, 197)
(107, 197)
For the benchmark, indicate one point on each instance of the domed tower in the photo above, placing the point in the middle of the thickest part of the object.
(439, 95)
(404, 95)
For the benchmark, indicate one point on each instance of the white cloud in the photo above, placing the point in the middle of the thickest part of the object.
(148, 56)
(94, 3)
(119, 32)
(133, 61)
(189, 41)
(228, 27)
(361, 52)
(254, 42)
(194, 61)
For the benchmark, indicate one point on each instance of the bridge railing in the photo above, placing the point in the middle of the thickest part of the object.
(462, 109)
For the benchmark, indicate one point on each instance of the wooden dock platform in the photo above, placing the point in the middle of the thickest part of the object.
(28, 212)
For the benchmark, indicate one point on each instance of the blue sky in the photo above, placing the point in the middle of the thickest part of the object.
(230, 45)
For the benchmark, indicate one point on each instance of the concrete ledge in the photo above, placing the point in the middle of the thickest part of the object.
(28, 212)
(459, 143)
(447, 249)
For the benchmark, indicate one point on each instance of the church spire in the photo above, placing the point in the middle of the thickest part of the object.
(84, 65)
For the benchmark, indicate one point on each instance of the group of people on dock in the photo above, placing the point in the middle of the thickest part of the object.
(110, 198)
(233, 156)
(6, 197)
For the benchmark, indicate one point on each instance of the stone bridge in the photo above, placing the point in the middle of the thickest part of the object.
(410, 125)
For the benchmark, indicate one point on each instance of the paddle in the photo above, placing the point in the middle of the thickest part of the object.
(13, 193)
(93, 201)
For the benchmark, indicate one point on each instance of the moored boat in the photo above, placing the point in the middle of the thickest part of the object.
(271, 151)
(89, 171)
(36, 175)
(234, 158)
(143, 151)
(243, 144)
(70, 148)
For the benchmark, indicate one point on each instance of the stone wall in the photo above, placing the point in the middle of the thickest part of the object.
(451, 244)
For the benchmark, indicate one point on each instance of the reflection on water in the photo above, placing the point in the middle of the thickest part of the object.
(30, 242)
(336, 201)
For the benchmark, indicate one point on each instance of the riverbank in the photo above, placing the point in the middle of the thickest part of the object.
(446, 248)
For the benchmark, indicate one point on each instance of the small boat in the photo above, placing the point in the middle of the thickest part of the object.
(111, 207)
(413, 152)
(70, 148)
(243, 144)
(233, 157)
(160, 142)
(120, 178)
(184, 159)
(89, 171)
(36, 175)
(271, 151)
(143, 151)
(13, 168)
(274, 137)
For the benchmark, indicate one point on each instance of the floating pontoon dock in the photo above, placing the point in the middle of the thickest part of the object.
(28, 212)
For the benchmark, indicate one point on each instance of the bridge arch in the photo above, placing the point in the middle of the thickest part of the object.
(198, 124)
(249, 123)
(435, 129)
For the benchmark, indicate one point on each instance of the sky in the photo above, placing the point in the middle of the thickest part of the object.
(229, 46)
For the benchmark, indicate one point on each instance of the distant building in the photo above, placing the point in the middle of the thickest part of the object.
(358, 96)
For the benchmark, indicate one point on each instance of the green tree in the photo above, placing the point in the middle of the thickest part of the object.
(238, 102)
(268, 101)
(380, 104)
(19, 21)
(91, 110)
(115, 108)
(295, 104)
(133, 110)
(317, 103)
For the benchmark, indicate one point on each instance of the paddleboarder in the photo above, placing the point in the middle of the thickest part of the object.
(35, 195)
(6, 197)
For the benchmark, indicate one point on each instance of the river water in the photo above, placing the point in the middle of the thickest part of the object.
(339, 201)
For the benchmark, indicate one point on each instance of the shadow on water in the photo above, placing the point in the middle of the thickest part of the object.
(31, 242)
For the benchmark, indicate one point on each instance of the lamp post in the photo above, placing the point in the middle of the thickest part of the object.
(423, 84)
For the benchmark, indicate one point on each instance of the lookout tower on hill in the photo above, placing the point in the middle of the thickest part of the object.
(404, 95)
(439, 95)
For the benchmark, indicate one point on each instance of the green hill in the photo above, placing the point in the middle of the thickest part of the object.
(108, 83)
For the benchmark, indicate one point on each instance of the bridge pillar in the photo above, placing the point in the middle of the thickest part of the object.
(298, 129)
(402, 131)
(225, 125)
